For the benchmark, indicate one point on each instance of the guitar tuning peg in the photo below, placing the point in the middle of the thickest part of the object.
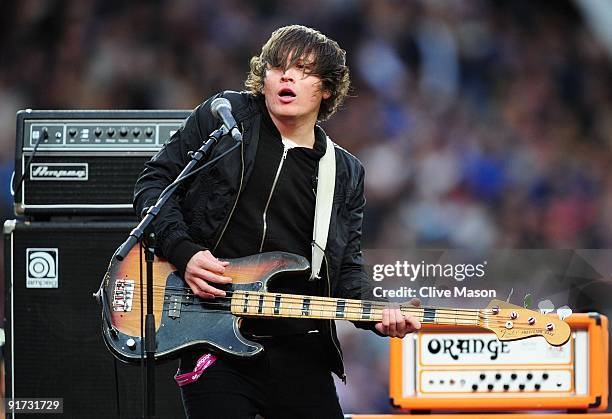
(510, 295)
(546, 306)
(564, 312)
(527, 301)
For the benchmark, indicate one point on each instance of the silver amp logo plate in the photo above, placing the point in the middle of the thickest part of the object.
(59, 171)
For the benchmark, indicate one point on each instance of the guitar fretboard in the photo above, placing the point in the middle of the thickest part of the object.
(265, 304)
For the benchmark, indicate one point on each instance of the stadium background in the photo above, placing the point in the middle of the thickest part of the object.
(480, 123)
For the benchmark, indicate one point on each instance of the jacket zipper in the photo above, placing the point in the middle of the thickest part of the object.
(331, 333)
(237, 195)
(265, 224)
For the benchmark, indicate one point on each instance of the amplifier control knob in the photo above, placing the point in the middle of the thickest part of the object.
(482, 376)
(490, 387)
(529, 376)
(72, 132)
(149, 132)
(98, 131)
(474, 387)
(110, 132)
(513, 376)
(522, 387)
(545, 376)
(123, 131)
(498, 376)
(506, 387)
(45, 133)
(537, 387)
(136, 132)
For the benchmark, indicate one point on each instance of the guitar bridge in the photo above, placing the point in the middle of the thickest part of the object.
(123, 295)
(174, 310)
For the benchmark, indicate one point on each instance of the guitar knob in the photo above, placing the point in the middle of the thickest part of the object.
(131, 343)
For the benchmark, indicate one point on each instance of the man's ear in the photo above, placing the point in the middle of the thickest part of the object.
(326, 94)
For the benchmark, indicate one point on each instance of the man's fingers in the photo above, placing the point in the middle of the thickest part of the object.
(413, 323)
(211, 264)
(204, 290)
(392, 322)
(212, 277)
(415, 302)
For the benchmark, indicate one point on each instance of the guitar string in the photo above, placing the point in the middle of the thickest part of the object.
(228, 296)
(330, 310)
(357, 305)
(485, 323)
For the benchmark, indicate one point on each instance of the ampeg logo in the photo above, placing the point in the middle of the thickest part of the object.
(42, 268)
(59, 171)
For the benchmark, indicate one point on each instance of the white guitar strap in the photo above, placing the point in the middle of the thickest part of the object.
(326, 183)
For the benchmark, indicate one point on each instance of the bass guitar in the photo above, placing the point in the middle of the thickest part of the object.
(184, 320)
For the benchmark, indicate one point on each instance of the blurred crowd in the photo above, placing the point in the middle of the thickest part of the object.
(480, 123)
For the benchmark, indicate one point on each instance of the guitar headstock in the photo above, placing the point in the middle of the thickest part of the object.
(511, 322)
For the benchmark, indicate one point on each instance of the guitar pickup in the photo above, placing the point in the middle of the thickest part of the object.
(123, 295)
(174, 308)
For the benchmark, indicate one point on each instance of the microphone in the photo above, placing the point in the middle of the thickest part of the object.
(221, 108)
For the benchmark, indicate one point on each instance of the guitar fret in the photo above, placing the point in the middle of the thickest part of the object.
(245, 306)
(260, 305)
(366, 310)
(340, 307)
(306, 306)
(277, 303)
(429, 315)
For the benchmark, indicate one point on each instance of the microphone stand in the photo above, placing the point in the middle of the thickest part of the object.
(148, 244)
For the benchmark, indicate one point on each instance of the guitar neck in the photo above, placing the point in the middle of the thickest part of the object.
(265, 304)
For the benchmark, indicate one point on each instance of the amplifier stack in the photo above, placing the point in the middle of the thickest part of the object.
(74, 178)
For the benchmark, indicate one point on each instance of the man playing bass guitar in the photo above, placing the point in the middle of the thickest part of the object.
(262, 197)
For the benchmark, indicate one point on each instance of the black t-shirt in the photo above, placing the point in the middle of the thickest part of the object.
(289, 204)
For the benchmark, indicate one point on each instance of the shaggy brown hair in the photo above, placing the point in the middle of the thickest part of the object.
(297, 42)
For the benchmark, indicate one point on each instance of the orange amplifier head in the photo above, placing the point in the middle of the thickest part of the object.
(468, 369)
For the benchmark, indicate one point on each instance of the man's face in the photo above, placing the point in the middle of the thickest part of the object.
(293, 95)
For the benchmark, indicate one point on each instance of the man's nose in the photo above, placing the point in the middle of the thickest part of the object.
(287, 76)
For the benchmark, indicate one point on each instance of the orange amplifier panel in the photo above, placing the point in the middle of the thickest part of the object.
(468, 369)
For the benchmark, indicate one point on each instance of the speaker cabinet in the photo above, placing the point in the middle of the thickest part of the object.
(54, 345)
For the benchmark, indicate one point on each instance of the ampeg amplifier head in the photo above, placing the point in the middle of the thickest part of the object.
(85, 161)
(462, 369)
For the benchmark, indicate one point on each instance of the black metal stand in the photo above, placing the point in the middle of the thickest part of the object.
(148, 244)
(149, 344)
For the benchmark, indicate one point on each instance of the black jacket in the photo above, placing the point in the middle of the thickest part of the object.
(197, 217)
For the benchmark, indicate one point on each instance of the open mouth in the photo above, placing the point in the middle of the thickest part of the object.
(286, 92)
